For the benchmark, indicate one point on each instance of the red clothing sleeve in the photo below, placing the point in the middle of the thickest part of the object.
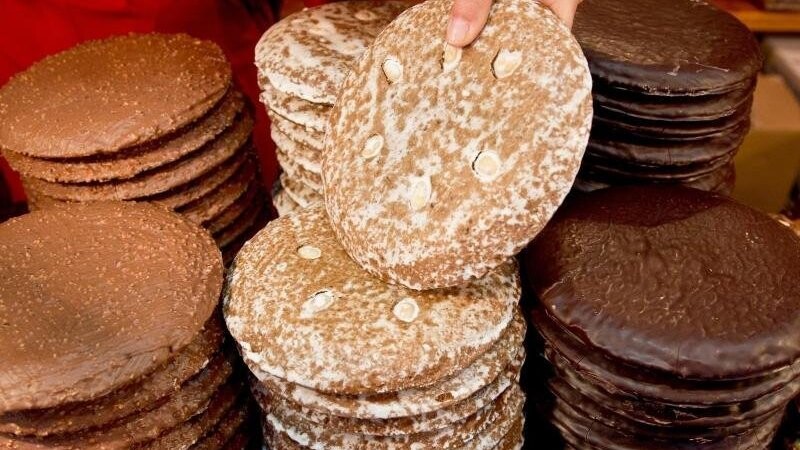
(33, 29)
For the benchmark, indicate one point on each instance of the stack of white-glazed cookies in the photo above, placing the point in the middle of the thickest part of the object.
(387, 317)
(343, 360)
(302, 62)
(150, 117)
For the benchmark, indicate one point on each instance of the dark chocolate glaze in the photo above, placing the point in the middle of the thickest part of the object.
(682, 108)
(674, 279)
(681, 47)
(721, 180)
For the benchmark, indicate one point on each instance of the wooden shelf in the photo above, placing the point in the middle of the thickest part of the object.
(759, 20)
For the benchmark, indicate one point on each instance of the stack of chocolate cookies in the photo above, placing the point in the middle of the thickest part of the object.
(302, 61)
(111, 334)
(670, 317)
(673, 86)
(149, 117)
(343, 360)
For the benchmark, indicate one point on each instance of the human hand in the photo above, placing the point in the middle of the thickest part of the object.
(468, 17)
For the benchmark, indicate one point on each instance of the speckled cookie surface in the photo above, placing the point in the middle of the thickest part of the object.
(440, 165)
(137, 160)
(309, 53)
(106, 95)
(301, 194)
(125, 401)
(301, 112)
(673, 279)
(443, 396)
(501, 413)
(305, 135)
(487, 370)
(681, 47)
(203, 185)
(413, 423)
(305, 323)
(157, 180)
(142, 428)
(217, 201)
(283, 203)
(136, 263)
(308, 157)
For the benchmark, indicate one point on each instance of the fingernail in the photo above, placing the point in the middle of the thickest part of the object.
(457, 31)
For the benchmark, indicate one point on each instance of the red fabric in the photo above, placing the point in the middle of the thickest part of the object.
(32, 29)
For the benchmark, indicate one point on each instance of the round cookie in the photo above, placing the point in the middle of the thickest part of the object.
(298, 192)
(500, 413)
(309, 53)
(200, 187)
(295, 110)
(304, 155)
(146, 425)
(122, 402)
(681, 108)
(283, 203)
(229, 400)
(107, 95)
(212, 205)
(707, 291)
(423, 184)
(242, 226)
(135, 263)
(136, 160)
(416, 423)
(418, 337)
(232, 213)
(158, 180)
(494, 367)
(626, 126)
(297, 132)
(687, 47)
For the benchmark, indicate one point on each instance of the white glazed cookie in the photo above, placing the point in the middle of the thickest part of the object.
(440, 164)
(299, 193)
(282, 203)
(299, 133)
(406, 403)
(302, 311)
(501, 413)
(417, 423)
(309, 53)
(311, 115)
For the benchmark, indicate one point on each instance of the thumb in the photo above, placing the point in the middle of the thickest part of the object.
(467, 19)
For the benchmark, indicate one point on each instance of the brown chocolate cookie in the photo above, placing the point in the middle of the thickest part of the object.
(134, 263)
(107, 95)
(686, 47)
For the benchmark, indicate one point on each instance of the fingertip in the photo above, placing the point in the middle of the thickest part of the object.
(467, 19)
(458, 32)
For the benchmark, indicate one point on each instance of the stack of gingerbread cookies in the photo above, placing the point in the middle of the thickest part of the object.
(387, 317)
(302, 62)
(149, 117)
(341, 359)
(670, 318)
(111, 334)
(673, 85)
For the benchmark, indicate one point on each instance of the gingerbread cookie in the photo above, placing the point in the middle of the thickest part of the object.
(423, 184)
(104, 96)
(309, 53)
